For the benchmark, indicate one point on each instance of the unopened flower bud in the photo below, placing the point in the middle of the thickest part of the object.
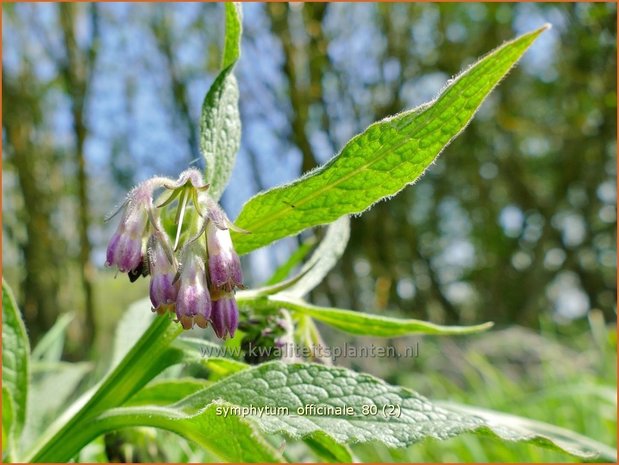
(193, 302)
(162, 265)
(224, 265)
(125, 248)
(225, 316)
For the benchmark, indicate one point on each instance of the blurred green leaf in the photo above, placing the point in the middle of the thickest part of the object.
(325, 257)
(147, 357)
(314, 270)
(220, 123)
(132, 325)
(61, 378)
(49, 348)
(402, 416)
(366, 324)
(515, 428)
(15, 359)
(297, 257)
(328, 449)
(380, 162)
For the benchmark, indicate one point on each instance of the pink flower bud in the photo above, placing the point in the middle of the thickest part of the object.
(223, 262)
(193, 302)
(125, 248)
(225, 316)
(162, 266)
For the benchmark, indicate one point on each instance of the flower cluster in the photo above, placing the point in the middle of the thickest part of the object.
(194, 276)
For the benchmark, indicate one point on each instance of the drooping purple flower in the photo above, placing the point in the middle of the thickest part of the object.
(224, 265)
(125, 247)
(162, 266)
(193, 302)
(225, 316)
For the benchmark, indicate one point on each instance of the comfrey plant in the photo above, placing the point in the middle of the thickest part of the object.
(175, 233)
(196, 279)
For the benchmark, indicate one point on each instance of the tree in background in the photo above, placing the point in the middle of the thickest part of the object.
(514, 222)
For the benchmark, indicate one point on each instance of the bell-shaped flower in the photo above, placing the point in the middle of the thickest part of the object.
(225, 316)
(125, 247)
(163, 269)
(193, 302)
(224, 265)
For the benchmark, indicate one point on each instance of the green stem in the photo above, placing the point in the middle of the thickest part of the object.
(143, 362)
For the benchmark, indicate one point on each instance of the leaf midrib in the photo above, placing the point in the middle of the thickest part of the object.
(278, 213)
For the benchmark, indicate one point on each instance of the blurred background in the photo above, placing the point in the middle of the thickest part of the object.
(514, 223)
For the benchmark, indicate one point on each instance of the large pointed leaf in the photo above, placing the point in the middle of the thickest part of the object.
(220, 123)
(381, 161)
(377, 411)
(367, 324)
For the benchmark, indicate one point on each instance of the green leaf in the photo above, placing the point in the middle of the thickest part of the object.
(297, 257)
(402, 417)
(61, 378)
(314, 270)
(328, 449)
(213, 357)
(134, 322)
(220, 123)
(15, 358)
(8, 438)
(325, 257)
(148, 356)
(381, 161)
(166, 392)
(366, 324)
(50, 346)
(234, 29)
(515, 428)
(231, 438)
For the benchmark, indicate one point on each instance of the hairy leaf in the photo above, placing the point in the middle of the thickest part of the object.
(15, 358)
(220, 123)
(381, 161)
(366, 324)
(402, 417)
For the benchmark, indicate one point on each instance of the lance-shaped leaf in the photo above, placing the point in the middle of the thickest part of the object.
(395, 416)
(220, 123)
(366, 324)
(381, 161)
